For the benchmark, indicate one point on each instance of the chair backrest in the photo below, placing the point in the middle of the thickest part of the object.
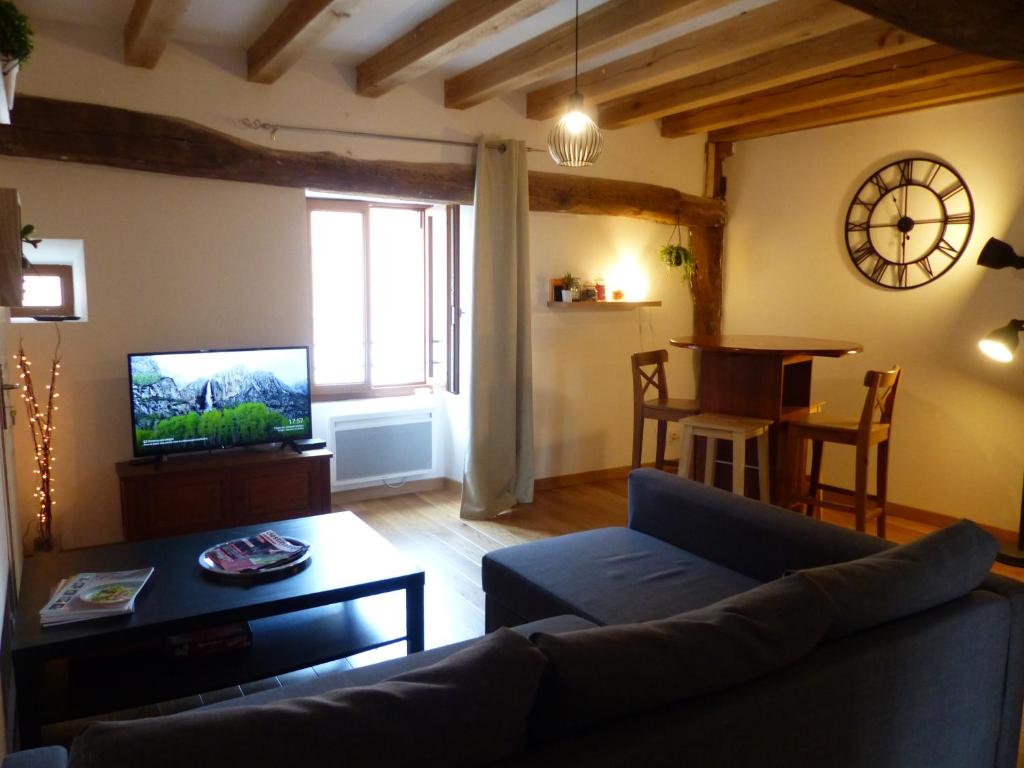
(881, 397)
(649, 371)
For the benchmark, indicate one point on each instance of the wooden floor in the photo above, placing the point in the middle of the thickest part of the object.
(427, 528)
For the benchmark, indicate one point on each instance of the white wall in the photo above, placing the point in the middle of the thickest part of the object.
(175, 263)
(957, 446)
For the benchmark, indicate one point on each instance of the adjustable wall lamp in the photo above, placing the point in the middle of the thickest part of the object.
(998, 255)
(1000, 345)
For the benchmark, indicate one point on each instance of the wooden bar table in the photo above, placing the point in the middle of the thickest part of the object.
(764, 376)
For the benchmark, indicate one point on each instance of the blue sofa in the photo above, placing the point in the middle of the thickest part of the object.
(940, 687)
(678, 640)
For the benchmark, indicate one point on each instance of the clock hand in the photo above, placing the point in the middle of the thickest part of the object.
(898, 211)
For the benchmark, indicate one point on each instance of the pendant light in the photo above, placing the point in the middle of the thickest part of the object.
(575, 140)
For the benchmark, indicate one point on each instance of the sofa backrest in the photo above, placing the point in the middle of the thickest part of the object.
(747, 536)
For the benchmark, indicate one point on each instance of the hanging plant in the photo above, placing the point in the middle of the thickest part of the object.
(675, 255)
(15, 36)
(26, 238)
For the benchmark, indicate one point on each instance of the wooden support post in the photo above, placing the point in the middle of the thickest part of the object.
(707, 243)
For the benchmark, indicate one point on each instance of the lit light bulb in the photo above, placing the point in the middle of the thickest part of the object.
(575, 122)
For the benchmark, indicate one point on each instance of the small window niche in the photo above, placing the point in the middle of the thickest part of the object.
(54, 282)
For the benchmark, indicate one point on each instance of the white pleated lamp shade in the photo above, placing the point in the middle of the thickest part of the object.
(575, 140)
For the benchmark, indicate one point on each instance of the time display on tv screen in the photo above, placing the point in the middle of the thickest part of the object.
(197, 401)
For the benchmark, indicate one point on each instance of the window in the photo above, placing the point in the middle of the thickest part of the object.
(382, 299)
(48, 289)
(53, 282)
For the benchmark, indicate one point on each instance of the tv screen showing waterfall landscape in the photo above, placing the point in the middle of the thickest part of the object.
(198, 401)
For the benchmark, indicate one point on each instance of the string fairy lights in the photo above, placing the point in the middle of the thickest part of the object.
(40, 422)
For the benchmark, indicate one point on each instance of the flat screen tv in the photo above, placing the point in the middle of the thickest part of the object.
(207, 399)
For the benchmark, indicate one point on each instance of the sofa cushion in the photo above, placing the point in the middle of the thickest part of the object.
(385, 670)
(908, 579)
(481, 695)
(596, 675)
(608, 576)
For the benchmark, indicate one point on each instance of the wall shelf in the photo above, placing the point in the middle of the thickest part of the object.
(601, 305)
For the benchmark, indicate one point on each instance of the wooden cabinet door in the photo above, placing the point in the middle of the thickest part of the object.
(276, 492)
(177, 503)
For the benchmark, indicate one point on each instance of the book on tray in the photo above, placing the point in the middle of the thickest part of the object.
(94, 595)
(255, 553)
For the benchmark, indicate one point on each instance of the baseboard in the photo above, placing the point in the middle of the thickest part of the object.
(593, 476)
(340, 498)
(939, 520)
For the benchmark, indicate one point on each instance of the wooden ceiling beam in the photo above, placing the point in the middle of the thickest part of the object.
(771, 26)
(987, 28)
(149, 28)
(299, 27)
(50, 129)
(608, 26)
(867, 41)
(936, 62)
(455, 28)
(952, 90)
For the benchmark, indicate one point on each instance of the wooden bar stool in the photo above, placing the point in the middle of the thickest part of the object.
(862, 433)
(736, 429)
(648, 372)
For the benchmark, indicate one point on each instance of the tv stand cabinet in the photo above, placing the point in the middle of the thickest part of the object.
(185, 494)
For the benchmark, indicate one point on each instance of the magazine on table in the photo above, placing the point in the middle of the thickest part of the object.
(94, 595)
(255, 553)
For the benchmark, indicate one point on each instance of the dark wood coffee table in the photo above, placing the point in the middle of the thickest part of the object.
(346, 600)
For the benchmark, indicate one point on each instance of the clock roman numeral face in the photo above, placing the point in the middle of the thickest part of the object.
(909, 223)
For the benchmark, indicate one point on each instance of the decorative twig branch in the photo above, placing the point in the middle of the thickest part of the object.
(40, 422)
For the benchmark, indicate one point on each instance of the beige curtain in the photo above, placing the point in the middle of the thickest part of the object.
(499, 457)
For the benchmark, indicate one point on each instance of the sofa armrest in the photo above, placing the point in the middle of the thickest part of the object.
(43, 757)
(747, 536)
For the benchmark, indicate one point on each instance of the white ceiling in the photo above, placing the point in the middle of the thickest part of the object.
(235, 24)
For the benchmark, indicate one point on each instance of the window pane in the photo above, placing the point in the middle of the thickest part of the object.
(42, 291)
(397, 297)
(336, 239)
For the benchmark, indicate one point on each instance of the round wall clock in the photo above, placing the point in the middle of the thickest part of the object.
(909, 223)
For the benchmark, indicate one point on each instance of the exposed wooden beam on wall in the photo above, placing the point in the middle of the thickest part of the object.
(949, 91)
(740, 37)
(50, 129)
(988, 28)
(149, 28)
(456, 27)
(862, 42)
(568, 193)
(608, 26)
(936, 62)
(299, 27)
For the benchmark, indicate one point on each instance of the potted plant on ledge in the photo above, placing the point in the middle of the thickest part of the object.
(570, 287)
(15, 48)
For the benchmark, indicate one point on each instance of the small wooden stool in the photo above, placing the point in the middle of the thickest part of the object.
(736, 429)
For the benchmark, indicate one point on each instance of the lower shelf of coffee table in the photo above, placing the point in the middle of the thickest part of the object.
(139, 676)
